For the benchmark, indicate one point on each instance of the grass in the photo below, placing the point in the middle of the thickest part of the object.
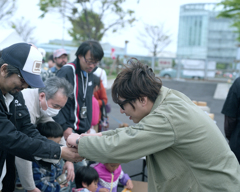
(111, 77)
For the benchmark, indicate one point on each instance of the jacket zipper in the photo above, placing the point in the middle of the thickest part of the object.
(112, 182)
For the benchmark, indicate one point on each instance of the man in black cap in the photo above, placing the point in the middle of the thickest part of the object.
(20, 67)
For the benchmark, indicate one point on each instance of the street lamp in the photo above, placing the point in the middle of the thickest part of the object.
(125, 52)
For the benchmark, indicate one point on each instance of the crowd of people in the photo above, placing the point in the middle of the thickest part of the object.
(51, 127)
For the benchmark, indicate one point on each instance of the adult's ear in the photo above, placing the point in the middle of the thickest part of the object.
(3, 69)
(41, 95)
(79, 56)
(143, 100)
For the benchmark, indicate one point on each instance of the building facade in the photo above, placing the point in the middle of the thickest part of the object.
(202, 35)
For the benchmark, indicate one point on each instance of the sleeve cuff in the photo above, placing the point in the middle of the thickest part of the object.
(54, 161)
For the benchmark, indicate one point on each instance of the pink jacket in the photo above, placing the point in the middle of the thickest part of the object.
(95, 111)
(110, 180)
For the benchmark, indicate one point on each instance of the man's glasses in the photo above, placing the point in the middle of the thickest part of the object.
(21, 78)
(122, 103)
(91, 62)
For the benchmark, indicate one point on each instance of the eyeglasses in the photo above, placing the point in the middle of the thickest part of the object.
(91, 62)
(21, 78)
(122, 103)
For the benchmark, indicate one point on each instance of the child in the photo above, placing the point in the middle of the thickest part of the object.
(101, 95)
(95, 106)
(86, 179)
(109, 175)
(45, 180)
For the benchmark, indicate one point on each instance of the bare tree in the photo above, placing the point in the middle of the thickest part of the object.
(7, 8)
(23, 28)
(154, 38)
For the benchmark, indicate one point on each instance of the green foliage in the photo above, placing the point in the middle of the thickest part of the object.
(90, 19)
(231, 10)
(173, 63)
(221, 66)
(46, 4)
(108, 62)
(81, 32)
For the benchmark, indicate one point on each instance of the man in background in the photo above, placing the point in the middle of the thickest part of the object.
(77, 113)
(60, 58)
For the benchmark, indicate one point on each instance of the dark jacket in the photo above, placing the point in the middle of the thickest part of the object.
(19, 141)
(231, 110)
(70, 115)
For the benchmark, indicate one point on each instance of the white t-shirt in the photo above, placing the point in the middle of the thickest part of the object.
(103, 76)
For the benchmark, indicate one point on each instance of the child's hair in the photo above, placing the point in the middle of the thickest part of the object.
(96, 81)
(50, 129)
(85, 174)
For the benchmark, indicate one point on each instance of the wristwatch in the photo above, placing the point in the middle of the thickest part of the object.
(77, 141)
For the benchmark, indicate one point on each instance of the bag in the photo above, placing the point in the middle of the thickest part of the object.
(104, 123)
(108, 108)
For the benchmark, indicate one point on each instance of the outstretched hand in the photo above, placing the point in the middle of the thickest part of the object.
(34, 190)
(129, 184)
(71, 154)
(72, 138)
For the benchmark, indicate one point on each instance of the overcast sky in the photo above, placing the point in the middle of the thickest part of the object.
(147, 11)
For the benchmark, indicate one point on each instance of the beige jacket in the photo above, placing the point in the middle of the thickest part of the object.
(185, 149)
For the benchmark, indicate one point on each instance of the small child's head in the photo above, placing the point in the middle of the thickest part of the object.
(96, 83)
(52, 130)
(111, 167)
(87, 177)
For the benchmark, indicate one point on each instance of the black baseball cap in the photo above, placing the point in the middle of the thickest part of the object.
(27, 59)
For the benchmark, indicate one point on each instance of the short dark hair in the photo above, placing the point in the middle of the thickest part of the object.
(10, 69)
(94, 47)
(96, 81)
(51, 58)
(50, 129)
(135, 81)
(85, 174)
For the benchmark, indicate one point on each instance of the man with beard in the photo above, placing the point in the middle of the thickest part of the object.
(20, 67)
(60, 58)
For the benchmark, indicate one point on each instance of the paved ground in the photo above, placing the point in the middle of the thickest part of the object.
(195, 90)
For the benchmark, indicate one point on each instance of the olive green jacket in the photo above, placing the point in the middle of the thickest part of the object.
(185, 149)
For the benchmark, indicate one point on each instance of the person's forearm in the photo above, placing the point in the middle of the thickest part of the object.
(24, 169)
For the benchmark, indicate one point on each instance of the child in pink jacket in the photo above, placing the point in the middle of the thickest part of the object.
(109, 176)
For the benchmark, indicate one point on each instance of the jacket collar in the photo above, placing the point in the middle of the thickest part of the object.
(164, 91)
